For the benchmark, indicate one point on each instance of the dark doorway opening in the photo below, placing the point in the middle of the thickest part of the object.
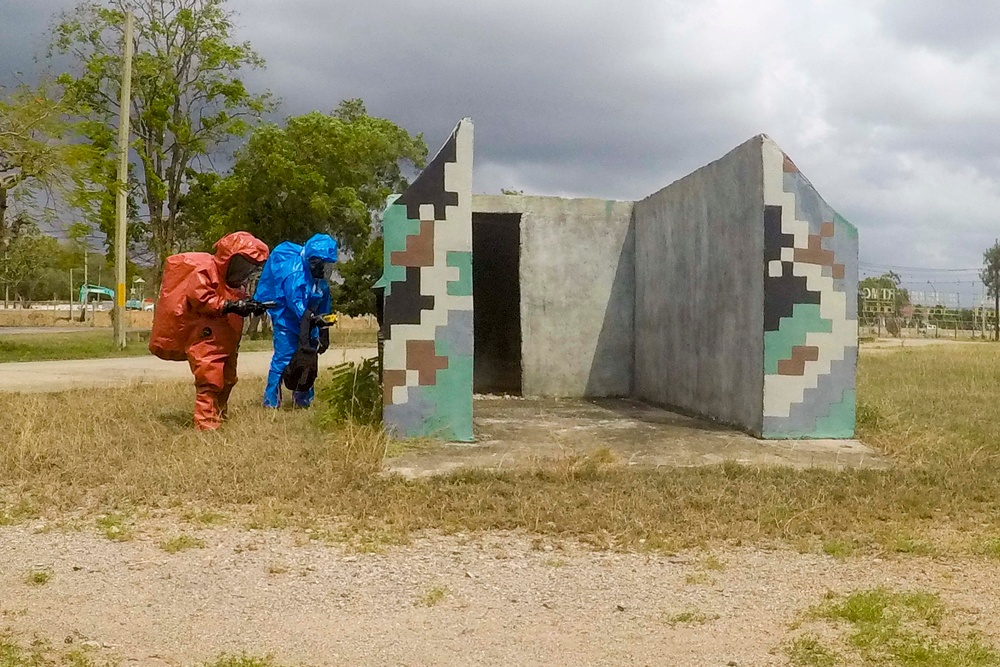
(496, 261)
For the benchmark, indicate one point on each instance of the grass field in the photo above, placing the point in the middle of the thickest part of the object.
(39, 653)
(932, 411)
(97, 344)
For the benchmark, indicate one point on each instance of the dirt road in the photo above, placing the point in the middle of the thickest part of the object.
(22, 331)
(489, 600)
(49, 376)
(912, 343)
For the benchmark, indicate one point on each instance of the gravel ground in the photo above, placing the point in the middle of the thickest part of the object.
(504, 599)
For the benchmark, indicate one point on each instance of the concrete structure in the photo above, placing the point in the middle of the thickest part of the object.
(576, 284)
(728, 294)
(745, 306)
(427, 361)
(810, 307)
(700, 291)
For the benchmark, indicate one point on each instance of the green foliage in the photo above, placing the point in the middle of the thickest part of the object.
(41, 653)
(196, 208)
(26, 261)
(990, 275)
(989, 547)
(36, 266)
(355, 297)
(320, 173)
(35, 154)
(188, 99)
(115, 527)
(890, 280)
(880, 606)
(353, 394)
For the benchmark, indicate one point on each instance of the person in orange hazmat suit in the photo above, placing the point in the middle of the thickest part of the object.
(199, 318)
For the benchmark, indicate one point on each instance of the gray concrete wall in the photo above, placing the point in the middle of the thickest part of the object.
(577, 293)
(700, 291)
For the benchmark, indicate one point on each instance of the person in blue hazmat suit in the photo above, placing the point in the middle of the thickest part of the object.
(295, 277)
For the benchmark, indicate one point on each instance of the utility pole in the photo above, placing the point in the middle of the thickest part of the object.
(6, 279)
(121, 208)
(86, 282)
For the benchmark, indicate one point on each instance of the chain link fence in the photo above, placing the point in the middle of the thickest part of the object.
(882, 313)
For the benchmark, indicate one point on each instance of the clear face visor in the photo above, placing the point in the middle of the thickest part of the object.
(242, 271)
(321, 270)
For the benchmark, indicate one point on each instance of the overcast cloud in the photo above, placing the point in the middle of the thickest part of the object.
(890, 107)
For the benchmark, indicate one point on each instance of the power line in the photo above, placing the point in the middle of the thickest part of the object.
(942, 282)
(886, 267)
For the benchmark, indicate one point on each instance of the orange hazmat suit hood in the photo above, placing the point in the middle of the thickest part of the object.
(239, 243)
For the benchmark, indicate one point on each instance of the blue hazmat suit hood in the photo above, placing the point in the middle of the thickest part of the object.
(322, 246)
(286, 279)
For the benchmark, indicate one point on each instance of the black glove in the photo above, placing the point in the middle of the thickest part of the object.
(306, 324)
(243, 308)
(305, 330)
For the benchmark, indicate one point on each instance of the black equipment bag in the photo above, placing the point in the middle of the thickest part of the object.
(302, 370)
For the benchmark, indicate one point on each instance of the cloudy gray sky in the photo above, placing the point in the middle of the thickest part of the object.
(890, 107)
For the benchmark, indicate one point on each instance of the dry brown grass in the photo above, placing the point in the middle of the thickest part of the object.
(15, 317)
(931, 411)
(136, 446)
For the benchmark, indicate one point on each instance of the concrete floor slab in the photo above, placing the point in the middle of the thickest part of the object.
(512, 432)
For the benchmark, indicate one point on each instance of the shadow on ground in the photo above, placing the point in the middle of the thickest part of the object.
(513, 432)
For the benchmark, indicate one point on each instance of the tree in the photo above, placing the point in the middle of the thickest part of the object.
(355, 296)
(29, 257)
(34, 155)
(890, 280)
(878, 305)
(187, 96)
(197, 206)
(320, 173)
(990, 275)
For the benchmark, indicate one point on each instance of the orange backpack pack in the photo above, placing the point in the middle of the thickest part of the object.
(173, 318)
(192, 295)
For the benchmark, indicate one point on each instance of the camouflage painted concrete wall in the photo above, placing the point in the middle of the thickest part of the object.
(427, 363)
(796, 329)
(810, 308)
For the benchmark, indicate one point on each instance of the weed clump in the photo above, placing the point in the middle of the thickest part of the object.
(38, 578)
(182, 543)
(115, 527)
(352, 394)
(890, 628)
(433, 597)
